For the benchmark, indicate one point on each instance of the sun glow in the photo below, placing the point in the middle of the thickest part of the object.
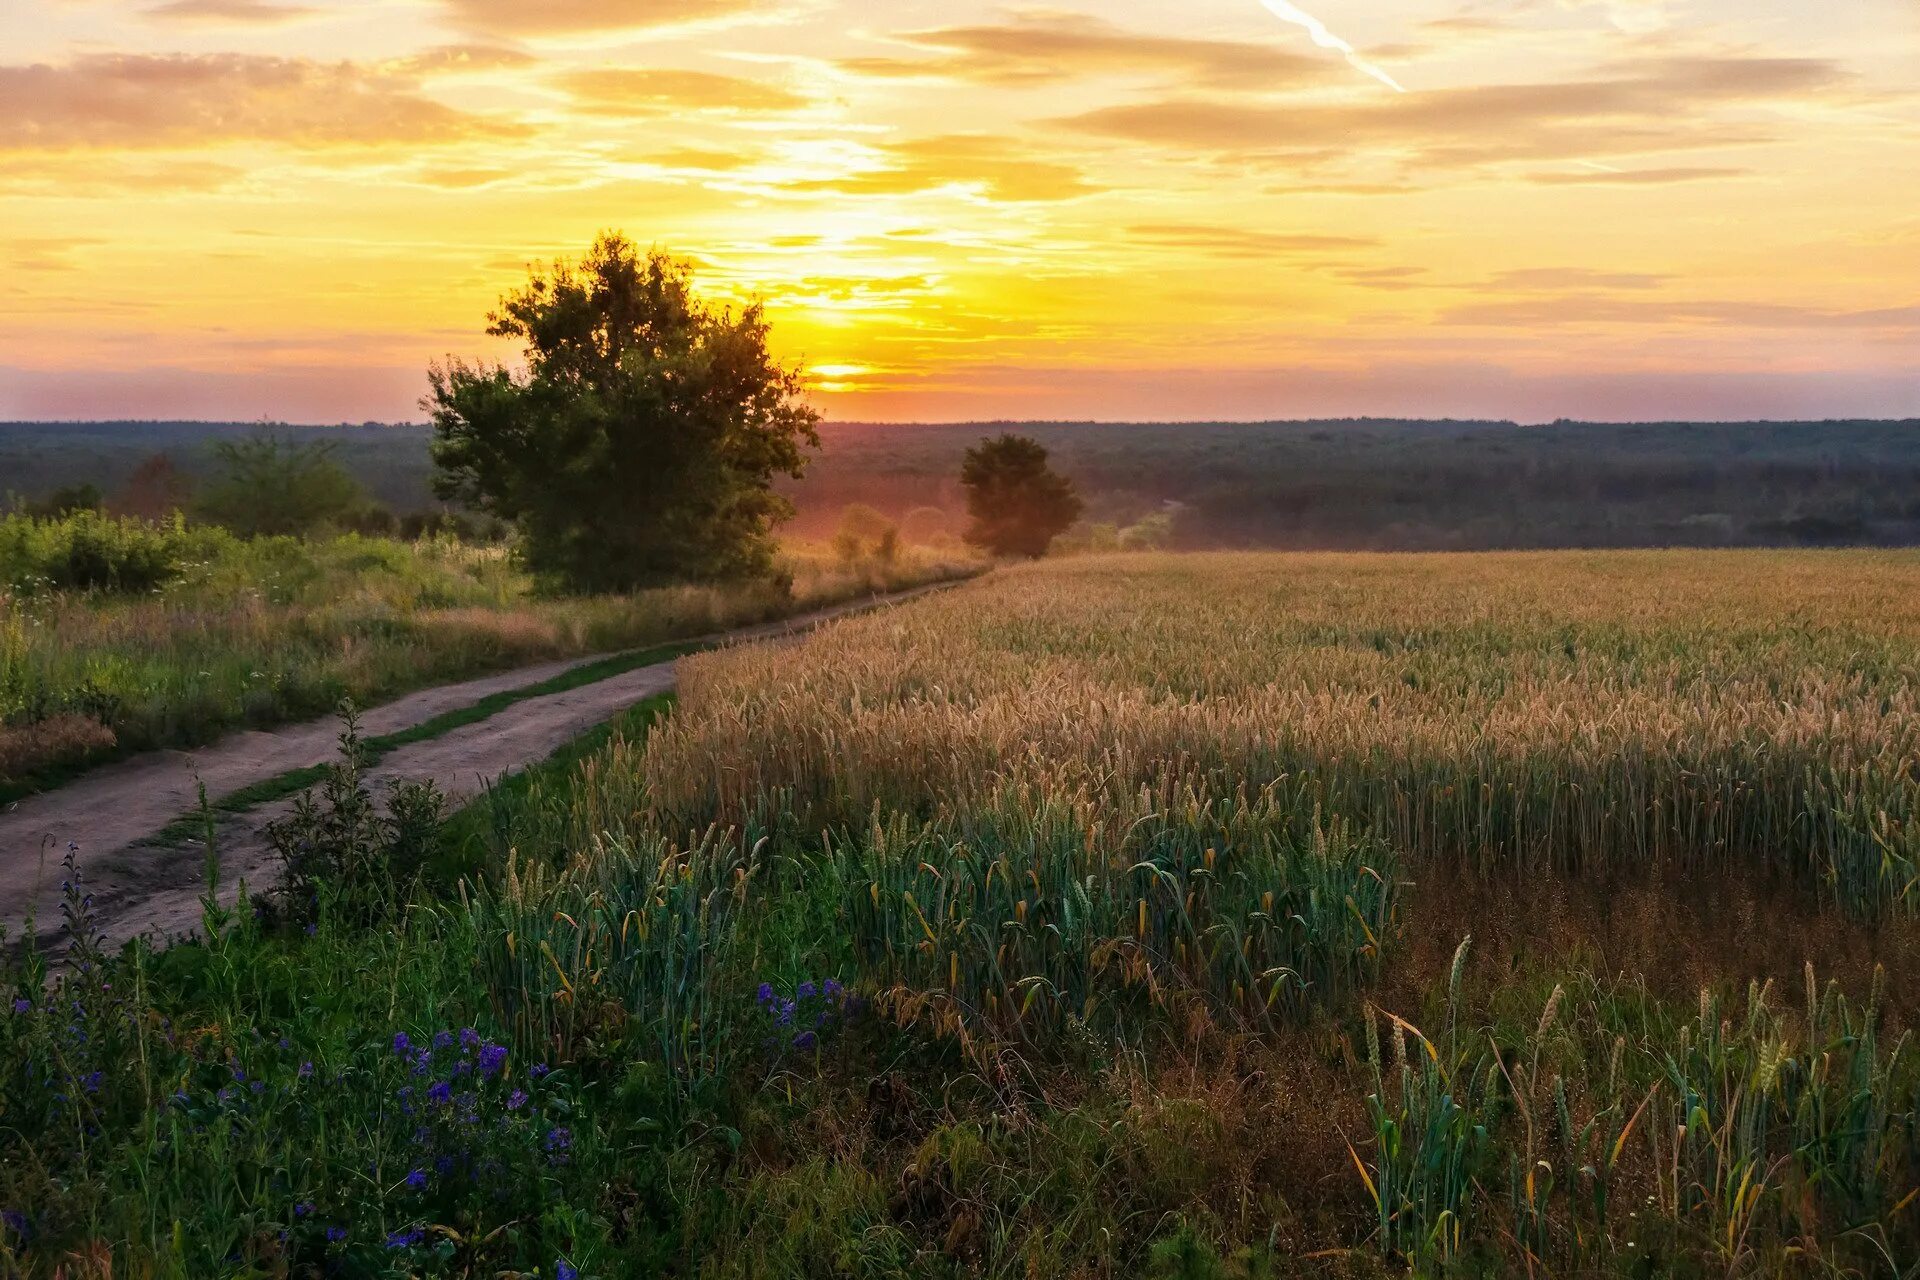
(1115, 210)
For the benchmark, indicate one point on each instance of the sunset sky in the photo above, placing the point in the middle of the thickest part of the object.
(1619, 209)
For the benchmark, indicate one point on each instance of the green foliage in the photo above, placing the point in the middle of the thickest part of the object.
(88, 551)
(267, 485)
(641, 445)
(1022, 918)
(1432, 1136)
(342, 855)
(1018, 505)
(68, 500)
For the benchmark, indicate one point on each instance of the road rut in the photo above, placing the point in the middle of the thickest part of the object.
(140, 887)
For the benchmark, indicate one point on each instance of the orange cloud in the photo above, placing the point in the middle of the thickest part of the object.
(1636, 177)
(1588, 308)
(133, 101)
(1040, 51)
(1648, 105)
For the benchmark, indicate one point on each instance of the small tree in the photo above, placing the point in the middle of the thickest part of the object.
(1018, 503)
(156, 489)
(641, 444)
(866, 534)
(268, 486)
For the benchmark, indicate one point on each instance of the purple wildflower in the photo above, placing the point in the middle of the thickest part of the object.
(336, 1234)
(92, 1081)
(469, 1038)
(306, 1070)
(492, 1058)
(405, 1239)
(302, 1209)
(806, 991)
(417, 1179)
(559, 1138)
(564, 1270)
(400, 1042)
(538, 1069)
(765, 994)
(516, 1100)
(22, 1005)
(440, 1092)
(443, 1039)
(804, 1040)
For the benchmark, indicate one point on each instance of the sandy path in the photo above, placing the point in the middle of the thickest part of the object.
(141, 888)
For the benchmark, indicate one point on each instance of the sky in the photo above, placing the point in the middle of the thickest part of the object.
(1193, 209)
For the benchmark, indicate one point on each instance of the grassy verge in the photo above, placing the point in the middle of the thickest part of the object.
(274, 631)
(479, 833)
(375, 749)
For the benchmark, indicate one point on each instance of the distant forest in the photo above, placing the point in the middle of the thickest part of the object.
(1358, 484)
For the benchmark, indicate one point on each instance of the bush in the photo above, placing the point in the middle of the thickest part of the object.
(88, 551)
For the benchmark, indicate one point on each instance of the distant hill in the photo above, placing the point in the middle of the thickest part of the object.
(1366, 483)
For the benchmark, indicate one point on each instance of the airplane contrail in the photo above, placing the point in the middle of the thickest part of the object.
(1327, 40)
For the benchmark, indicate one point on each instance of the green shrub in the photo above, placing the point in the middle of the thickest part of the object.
(88, 551)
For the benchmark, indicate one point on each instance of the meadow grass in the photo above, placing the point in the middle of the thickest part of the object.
(265, 631)
(1086, 922)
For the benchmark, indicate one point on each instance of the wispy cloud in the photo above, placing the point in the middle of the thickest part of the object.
(1287, 12)
(132, 101)
(1041, 50)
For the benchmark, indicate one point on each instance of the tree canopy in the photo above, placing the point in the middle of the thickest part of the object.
(640, 444)
(266, 485)
(1017, 503)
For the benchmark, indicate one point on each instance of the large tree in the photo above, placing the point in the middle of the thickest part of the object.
(1018, 503)
(640, 445)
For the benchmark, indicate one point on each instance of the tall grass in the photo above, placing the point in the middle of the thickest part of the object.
(1080, 924)
(1511, 716)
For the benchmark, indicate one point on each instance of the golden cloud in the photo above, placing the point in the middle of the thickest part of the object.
(573, 17)
(991, 164)
(1243, 242)
(135, 101)
(636, 91)
(232, 12)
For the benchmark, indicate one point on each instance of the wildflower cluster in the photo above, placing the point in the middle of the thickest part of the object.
(813, 1011)
(459, 1135)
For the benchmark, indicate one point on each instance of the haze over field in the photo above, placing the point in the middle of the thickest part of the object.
(1598, 208)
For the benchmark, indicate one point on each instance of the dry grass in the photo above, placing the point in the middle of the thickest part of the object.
(62, 737)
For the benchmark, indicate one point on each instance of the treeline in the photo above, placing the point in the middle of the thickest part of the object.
(254, 480)
(1322, 484)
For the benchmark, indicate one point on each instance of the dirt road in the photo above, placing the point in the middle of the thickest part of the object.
(142, 888)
